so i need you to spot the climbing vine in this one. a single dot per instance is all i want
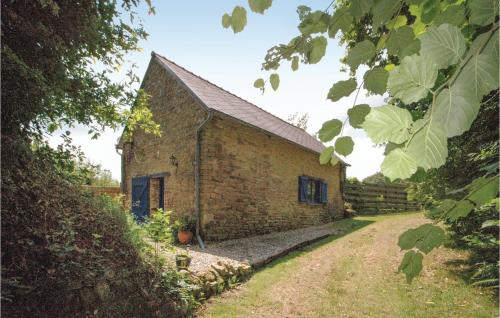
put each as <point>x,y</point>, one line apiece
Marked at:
<point>443,53</point>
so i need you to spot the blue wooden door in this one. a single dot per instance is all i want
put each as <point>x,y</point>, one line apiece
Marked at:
<point>140,198</point>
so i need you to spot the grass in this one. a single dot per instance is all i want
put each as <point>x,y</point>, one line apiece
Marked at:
<point>355,275</point>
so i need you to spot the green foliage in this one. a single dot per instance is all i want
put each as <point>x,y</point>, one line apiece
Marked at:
<point>330,130</point>
<point>457,108</point>
<point>383,11</point>
<point>295,63</point>
<point>442,60</point>
<point>315,49</point>
<point>62,246</point>
<point>344,145</point>
<point>357,115</point>
<point>398,165</point>
<point>326,155</point>
<point>412,80</point>
<point>483,12</point>
<point>375,80</point>
<point>259,6</point>
<point>184,223</point>
<point>388,123</point>
<point>157,227</point>
<point>359,54</point>
<point>402,42</point>
<point>226,20</point>
<point>342,89</point>
<point>359,8</point>
<point>445,45</point>
<point>275,81</point>
<point>411,265</point>
<point>340,20</point>
<point>429,144</point>
<point>63,87</point>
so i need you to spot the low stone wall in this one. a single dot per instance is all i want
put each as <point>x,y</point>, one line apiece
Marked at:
<point>221,276</point>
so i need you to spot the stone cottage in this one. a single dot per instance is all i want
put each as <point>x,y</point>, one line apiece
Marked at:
<point>235,168</point>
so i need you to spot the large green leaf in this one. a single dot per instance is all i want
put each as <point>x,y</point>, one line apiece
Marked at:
<point>456,108</point>
<point>431,236</point>
<point>388,123</point>
<point>362,52</point>
<point>383,11</point>
<point>412,79</point>
<point>445,45</point>
<point>259,6</point>
<point>402,42</point>
<point>342,89</point>
<point>330,130</point>
<point>398,165</point>
<point>483,190</point>
<point>461,209</point>
<point>326,155</point>
<point>359,8</point>
<point>483,12</point>
<point>275,81</point>
<point>316,49</point>
<point>425,237</point>
<point>341,20</point>
<point>453,14</point>
<point>430,9</point>
<point>411,265</point>
<point>375,80</point>
<point>429,145</point>
<point>357,115</point>
<point>238,19</point>
<point>480,74</point>
<point>344,145</point>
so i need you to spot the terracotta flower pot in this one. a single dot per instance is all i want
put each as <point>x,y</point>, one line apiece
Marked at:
<point>185,236</point>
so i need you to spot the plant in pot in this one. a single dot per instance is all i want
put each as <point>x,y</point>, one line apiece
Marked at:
<point>184,227</point>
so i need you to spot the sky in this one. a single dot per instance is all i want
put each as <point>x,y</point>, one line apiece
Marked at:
<point>190,33</point>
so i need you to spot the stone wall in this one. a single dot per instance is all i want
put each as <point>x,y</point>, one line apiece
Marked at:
<point>249,182</point>
<point>178,114</point>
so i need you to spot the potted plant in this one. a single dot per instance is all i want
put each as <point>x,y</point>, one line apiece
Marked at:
<point>185,228</point>
<point>182,260</point>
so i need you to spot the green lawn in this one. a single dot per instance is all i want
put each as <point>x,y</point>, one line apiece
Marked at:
<point>355,275</point>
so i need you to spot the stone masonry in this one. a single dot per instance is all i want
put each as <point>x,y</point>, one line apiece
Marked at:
<point>248,179</point>
<point>178,115</point>
<point>250,183</point>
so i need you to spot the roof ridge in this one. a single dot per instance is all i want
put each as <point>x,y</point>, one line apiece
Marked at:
<point>221,88</point>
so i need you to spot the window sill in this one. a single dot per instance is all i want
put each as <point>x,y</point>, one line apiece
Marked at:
<point>312,203</point>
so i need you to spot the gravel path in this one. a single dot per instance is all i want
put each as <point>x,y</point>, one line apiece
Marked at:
<point>257,250</point>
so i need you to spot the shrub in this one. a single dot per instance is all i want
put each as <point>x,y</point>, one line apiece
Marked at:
<point>66,253</point>
<point>157,227</point>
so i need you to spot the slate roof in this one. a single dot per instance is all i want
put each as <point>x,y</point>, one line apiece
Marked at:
<point>216,98</point>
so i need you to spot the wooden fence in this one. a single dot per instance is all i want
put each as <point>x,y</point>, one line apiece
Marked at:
<point>111,191</point>
<point>367,198</point>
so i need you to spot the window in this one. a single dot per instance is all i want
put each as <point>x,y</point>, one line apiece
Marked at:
<point>312,190</point>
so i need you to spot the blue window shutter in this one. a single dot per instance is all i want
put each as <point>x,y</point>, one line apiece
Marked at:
<point>324,192</point>
<point>140,198</point>
<point>303,182</point>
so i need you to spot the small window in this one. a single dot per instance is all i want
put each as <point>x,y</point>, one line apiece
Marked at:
<point>312,190</point>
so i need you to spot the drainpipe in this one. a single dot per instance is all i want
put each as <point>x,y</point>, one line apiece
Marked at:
<point>197,178</point>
